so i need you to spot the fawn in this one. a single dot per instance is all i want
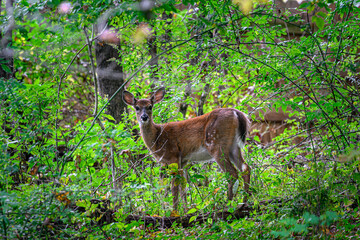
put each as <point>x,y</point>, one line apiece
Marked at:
<point>218,135</point>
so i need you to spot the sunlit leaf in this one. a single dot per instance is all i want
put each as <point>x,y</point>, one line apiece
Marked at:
<point>244,5</point>
<point>191,211</point>
<point>192,219</point>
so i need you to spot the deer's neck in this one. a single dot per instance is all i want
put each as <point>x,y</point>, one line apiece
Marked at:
<point>150,133</point>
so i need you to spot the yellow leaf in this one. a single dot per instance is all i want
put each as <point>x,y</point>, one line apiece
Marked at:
<point>142,32</point>
<point>62,197</point>
<point>244,5</point>
<point>164,182</point>
<point>173,165</point>
<point>216,190</point>
<point>174,213</point>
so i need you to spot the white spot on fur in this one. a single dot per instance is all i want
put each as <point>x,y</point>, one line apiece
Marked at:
<point>244,168</point>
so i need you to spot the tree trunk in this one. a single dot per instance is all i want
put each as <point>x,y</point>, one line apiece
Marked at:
<point>6,52</point>
<point>110,77</point>
<point>153,64</point>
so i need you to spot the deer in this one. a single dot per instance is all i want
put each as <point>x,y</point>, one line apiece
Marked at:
<point>215,136</point>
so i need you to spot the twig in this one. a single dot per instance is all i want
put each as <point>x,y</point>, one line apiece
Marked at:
<point>93,71</point>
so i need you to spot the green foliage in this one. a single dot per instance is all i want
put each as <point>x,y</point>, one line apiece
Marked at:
<point>308,222</point>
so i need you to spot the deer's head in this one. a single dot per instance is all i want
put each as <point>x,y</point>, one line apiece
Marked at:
<point>143,107</point>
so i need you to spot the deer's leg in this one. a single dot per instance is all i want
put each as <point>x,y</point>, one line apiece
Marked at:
<point>237,158</point>
<point>175,186</point>
<point>183,187</point>
<point>245,173</point>
<point>223,160</point>
<point>219,141</point>
<point>179,184</point>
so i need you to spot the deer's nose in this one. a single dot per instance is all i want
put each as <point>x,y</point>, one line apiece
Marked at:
<point>144,118</point>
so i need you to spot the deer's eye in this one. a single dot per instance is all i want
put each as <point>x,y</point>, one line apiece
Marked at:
<point>150,107</point>
<point>137,108</point>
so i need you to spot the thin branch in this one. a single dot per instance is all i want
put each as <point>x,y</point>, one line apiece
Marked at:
<point>89,44</point>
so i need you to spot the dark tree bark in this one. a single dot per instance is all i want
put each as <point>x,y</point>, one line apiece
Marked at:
<point>153,64</point>
<point>6,52</point>
<point>202,100</point>
<point>183,105</point>
<point>110,77</point>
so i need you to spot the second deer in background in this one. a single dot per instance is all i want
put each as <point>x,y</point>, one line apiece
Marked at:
<point>218,135</point>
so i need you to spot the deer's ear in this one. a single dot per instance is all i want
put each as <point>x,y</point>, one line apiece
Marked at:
<point>158,95</point>
<point>128,98</point>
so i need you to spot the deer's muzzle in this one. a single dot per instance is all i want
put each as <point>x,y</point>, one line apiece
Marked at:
<point>144,117</point>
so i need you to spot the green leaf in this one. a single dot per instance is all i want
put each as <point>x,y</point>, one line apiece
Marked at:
<point>321,14</point>
<point>356,177</point>
<point>198,176</point>
<point>294,18</point>
<point>192,211</point>
<point>320,23</point>
<point>186,2</point>
<point>322,4</point>
<point>236,186</point>
<point>311,218</point>
<point>192,219</point>
<point>261,115</point>
<point>298,228</point>
<point>5,68</point>
<point>111,118</point>
<point>305,5</point>
<point>173,166</point>
<point>204,20</point>
<point>81,204</point>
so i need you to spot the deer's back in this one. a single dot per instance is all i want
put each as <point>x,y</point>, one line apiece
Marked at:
<point>190,139</point>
